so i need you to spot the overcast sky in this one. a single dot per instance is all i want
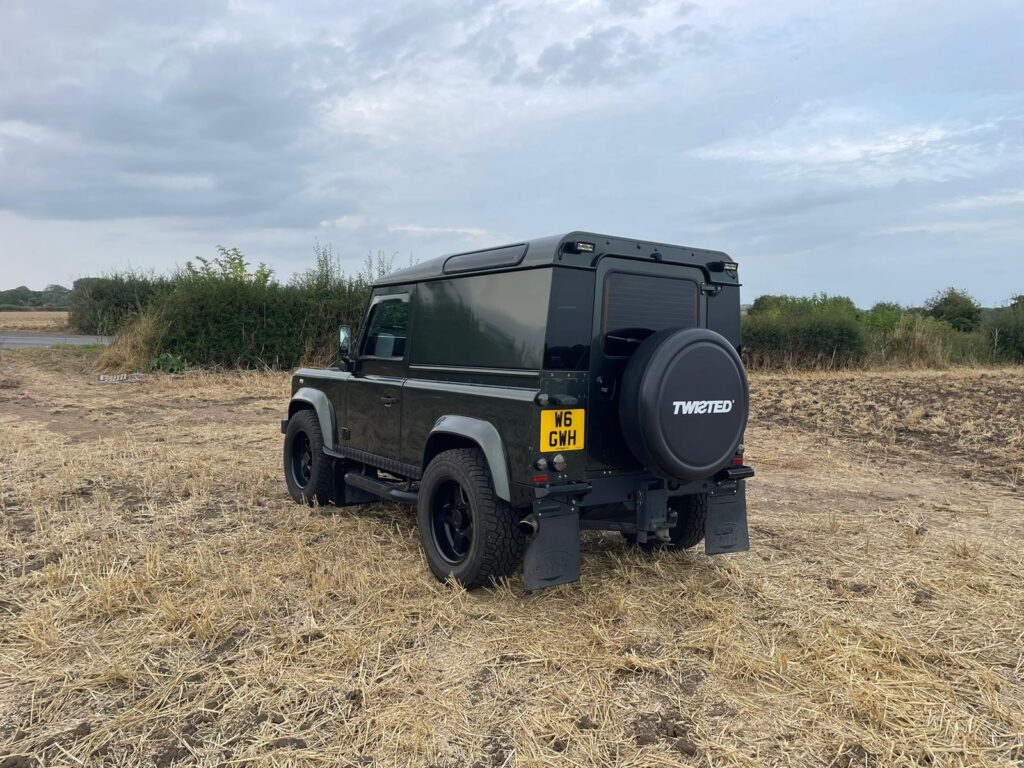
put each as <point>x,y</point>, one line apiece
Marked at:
<point>874,149</point>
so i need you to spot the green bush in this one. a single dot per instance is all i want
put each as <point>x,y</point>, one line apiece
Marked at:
<point>820,304</point>
<point>1005,332</point>
<point>103,305</point>
<point>810,341</point>
<point>958,308</point>
<point>167,363</point>
<point>922,341</point>
<point>883,317</point>
<point>819,331</point>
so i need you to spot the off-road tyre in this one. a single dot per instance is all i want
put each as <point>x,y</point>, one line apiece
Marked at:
<point>304,431</point>
<point>494,545</point>
<point>692,517</point>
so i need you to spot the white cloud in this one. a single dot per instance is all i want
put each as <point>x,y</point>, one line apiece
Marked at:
<point>347,222</point>
<point>470,232</point>
<point>852,145</point>
<point>169,182</point>
<point>945,228</point>
<point>995,200</point>
<point>21,129</point>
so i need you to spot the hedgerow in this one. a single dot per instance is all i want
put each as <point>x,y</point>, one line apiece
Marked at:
<point>830,332</point>
<point>221,312</point>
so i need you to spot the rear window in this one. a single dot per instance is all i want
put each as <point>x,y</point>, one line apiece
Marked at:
<point>635,306</point>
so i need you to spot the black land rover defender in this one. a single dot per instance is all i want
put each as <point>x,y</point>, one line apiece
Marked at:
<point>518,394</point>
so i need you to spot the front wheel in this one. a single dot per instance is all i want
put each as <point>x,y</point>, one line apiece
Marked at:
<point>467,532</point>
<point>307,469</point>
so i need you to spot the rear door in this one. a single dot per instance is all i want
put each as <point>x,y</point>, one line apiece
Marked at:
<point>375,389</point>
<point>633,299</point>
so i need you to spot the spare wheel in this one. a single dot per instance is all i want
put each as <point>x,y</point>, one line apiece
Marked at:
<point>683,403</point>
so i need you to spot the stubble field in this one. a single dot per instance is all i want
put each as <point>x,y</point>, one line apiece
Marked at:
<point>163,602</point>
<point>33,321</point>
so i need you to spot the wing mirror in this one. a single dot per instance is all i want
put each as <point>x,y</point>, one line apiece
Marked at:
<point>344,343</point>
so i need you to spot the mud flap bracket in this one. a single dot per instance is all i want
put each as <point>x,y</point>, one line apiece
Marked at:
<point>726,527</point>
<point>553,551</point>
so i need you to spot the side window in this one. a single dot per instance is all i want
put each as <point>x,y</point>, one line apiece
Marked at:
<point>635,306</point>
<point>387,328</point>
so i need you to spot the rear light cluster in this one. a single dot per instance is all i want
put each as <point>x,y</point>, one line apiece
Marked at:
<point>737,459</point>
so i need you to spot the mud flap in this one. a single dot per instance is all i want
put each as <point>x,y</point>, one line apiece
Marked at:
<point>726,527</point>
<point>343,494</point>
<point>553,552</point>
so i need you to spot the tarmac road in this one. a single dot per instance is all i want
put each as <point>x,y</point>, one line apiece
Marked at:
<point>18,339</point>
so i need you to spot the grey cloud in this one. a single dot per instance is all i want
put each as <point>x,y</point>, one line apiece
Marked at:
<point>421,126</point>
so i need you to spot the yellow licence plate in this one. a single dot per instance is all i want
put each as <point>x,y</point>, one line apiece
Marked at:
<point>561,430</point>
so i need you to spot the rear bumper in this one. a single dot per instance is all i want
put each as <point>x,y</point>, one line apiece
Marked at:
<point>559,513</point>
<point>621,489</point>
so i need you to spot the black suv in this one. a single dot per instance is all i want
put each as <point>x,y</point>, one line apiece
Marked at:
<point>518,394</point>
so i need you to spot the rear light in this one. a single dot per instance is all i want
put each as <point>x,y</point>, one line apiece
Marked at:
<point>539,478</point>
<point>737,461</point>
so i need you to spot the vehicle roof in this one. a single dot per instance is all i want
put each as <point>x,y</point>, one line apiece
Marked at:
<point>549,250</point>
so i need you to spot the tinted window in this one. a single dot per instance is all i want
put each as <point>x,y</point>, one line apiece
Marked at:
<point>387,328</point>
<point>570,320</point>
<point>635,306</point>
<point>483,321</point>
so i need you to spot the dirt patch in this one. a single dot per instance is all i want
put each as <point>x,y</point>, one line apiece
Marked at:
<point>70,423</point>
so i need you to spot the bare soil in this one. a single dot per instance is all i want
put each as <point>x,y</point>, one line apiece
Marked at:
<point>162,601</point>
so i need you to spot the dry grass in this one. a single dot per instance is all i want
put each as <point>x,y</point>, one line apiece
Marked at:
<point>33,321</point>
<point>132,348</point>
<point>161,601</point>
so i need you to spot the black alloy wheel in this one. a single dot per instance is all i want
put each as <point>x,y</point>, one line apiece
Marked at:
<point>467,532</point>
<point>452,522</point>
<point>302,460</point>
<point>307,469</point>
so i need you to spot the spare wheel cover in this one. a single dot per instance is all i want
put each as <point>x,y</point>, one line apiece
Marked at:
<point>684,403</point>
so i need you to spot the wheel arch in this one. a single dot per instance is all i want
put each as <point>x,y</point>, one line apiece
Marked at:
<point>307,398</point>
<point>467,432</point>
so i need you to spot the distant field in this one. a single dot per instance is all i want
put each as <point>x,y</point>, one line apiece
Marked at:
<point>33,321</point>
<point>163,602</point>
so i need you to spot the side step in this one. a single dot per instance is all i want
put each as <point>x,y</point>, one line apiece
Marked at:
<point>380,488</point>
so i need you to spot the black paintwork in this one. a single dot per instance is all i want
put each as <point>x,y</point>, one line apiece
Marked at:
<point>491,332</point>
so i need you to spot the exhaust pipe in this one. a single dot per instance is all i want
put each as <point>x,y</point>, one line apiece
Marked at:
<point>529,525</point>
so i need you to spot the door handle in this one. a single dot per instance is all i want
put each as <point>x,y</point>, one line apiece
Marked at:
<point>388,400</point>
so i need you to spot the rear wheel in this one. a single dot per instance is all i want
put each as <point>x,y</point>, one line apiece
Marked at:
<point>691,518</point>
<point>467,532</point>
<point>307,469</point>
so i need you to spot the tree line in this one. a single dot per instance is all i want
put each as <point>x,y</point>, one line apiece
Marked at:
<point>53,298</point>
